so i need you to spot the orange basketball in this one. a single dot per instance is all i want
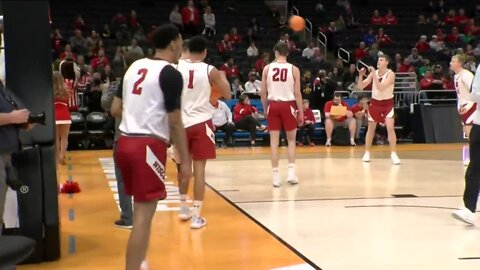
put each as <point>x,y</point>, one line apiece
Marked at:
<point>297,23</point>
<point>214,95</point>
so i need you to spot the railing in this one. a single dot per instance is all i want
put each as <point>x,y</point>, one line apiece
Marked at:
<point>308,31</point>
<point>322,40</point>
<point>295,11</point>
<point>425,96</point>
<point>344,55</point>
<point>285,6</point>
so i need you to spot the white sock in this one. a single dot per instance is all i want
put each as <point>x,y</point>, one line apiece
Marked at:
<point>291,166</point>
<point>197,208</point>
<point>183,199</point>
<point>275,170</point>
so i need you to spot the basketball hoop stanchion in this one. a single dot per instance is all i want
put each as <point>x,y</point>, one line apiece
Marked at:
<point>344,55</point>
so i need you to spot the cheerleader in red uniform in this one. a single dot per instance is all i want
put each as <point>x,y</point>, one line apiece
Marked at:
<point>62,115</point>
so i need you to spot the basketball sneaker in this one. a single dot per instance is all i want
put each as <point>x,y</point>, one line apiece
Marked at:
<point>366,157</point>
<point>292,178</point>
<point>464,215</point>
<point>144,265</point>
<point>395,158</point>
<point>352,142</point>
<point>198,222</point>
<point>328,143</point>
<point>276,181</point>
<point>184,213</point>
<point>123,224</point>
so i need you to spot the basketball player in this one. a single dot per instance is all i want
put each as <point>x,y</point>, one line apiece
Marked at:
<point>151,112</point>
<point>381,106</point>
<point>281,93</point>
<point>472,175</point>
<point>466,108</point>
<point>197,116</point>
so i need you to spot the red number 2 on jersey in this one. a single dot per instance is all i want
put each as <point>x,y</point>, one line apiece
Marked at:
<point>190,79</point>
<point>280,74</point>
<point>137,90</point>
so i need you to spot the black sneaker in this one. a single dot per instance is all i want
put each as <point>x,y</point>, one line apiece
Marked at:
<point>123,224</point>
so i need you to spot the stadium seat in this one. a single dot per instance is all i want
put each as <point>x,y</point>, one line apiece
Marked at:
<point>96,132</point>
<point>77,134</point>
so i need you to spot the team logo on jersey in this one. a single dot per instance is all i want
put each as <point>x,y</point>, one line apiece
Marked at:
<point>155,164</point>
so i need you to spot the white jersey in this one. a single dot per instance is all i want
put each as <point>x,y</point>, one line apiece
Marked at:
<point>463,82</point>
<point>196,92</point>
<point>280,82</point>
<point>144,110</point>
<point>387,93</point>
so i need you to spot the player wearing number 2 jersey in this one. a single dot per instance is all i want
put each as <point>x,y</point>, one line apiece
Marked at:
<point>281,93</point>
<point>151,112</point>
<point>197,118</point>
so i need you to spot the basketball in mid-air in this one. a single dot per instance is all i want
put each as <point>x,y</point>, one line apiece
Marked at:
<point>296,23</point>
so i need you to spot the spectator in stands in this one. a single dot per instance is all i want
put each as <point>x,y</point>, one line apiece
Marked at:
<point>309,51</point>
<point>471,27</point>
<point>245,117</point>
<point>225,46</point>
<point>361,51</point>
<point>305,132</point>
<point>349,77</point>
<point>369,37</point>
<point>262,62</point>
<point>428,82</point>
<point>461,18</point>
<point>93,40</point>
<point>397,62</point>
<point>251,36</point>
<point>414,58</point>
<point>100,61</point>
<point>134,22</point>
<point>450,18</point>
<point>282,23</point>
<point>423,68</point>
<point>331,32</point>
<point>67,53</point>
<point>373,52</point>
<point>79,23</point>
<point>190,18</point>
<point>306,85</point>
<point>319,10</point>
<point>139,35</point>
<point>57,42</point>
<point>406,66</point>
<point>421,20</point>
<point>107,75</point>
<point>222,120</point>
<point>359,111</point>
<point>390,19</point>
<point>469,50</point>
<point>106,34</point>
<point>118,20</point>
<point>134,48</point>
<point>292,47</point>
<point>118,61</point>
<point>436,45</point>
<point>318,56</point>
<point>323,88</point>
<point>344,119</point>
<point>467,37</point>
<point>230,69</point>
<point>340,24</point>
<point>237,88</point>
<point>254,25</point>
<point>471,64</point>
<point>209,21</point>
<point>351,22</point>
<point>95,93</point>
<point>382,38</point>
<point>435,21</point>
<point>81,63</point>
<point>176,18</point>
<point>234,37</point>
<point>78,42</point>
<point>253,86</point>
<point>454,37</point>
<point>336,76</point>
<point>376,18</point>
<point>422,44</point>
<point>252,50</point>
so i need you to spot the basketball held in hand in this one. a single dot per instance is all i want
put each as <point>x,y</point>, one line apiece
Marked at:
<point>214,95</point>
<point>296,23</point>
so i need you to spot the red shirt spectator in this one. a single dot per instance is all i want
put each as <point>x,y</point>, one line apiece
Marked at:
<point>134,22</point>
<point>57,42</point>
<point>356,108</point>
<point>382,38</point>
<point>361,51</point>
<point>470,27</point>
<point>190,14</point>
<point>406,66</point>
<point>119,19</point>
<point>328,107</point>
<point>100,61</point>
<point>241,110</point>
<point>230,69</point>
<point>440,35</point>
<point>225,45</point>
<point>79,23</point>
<point>234,37</point>
<point>450,18</point>
<point>390,19</point>
<point>260,64</point>
<point>376,19</point>
<point>453,37</point>
<point>461,18</point>
<point>428,82</point>
<point>422,45</point>
<point>308,116</point>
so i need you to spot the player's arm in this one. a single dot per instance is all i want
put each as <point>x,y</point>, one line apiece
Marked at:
<point>382,85</point>
<point>475,95</point>
<point>298,95</point>
<point>220,81</point>
<point>117,107</point>
<point>171,83</point>
<point>362,83</point>
<point>263,89</point>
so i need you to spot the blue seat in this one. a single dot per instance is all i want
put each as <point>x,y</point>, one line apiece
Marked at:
<point>350,101</point>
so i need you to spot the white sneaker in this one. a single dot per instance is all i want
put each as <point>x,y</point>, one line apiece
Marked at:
<point>198,222</point>
<point>328,143</point>
<point>352,142</point>
<point>464,215</point>
<point>144,265</point>
<point>366,157</point>
<point>292,178</point>
<point>395,159</point>
<point>276,181</point>
<point>184,213</point>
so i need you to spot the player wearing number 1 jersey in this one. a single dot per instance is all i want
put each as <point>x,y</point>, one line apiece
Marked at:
<point>281,93</point>
<point>151,112</point>
<point>197,118</point>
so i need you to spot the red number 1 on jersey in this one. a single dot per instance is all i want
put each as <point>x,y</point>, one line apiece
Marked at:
<point>280,74</point>
<point>137,90</point>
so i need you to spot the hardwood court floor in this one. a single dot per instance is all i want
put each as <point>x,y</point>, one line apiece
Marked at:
<point>341,216</point>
